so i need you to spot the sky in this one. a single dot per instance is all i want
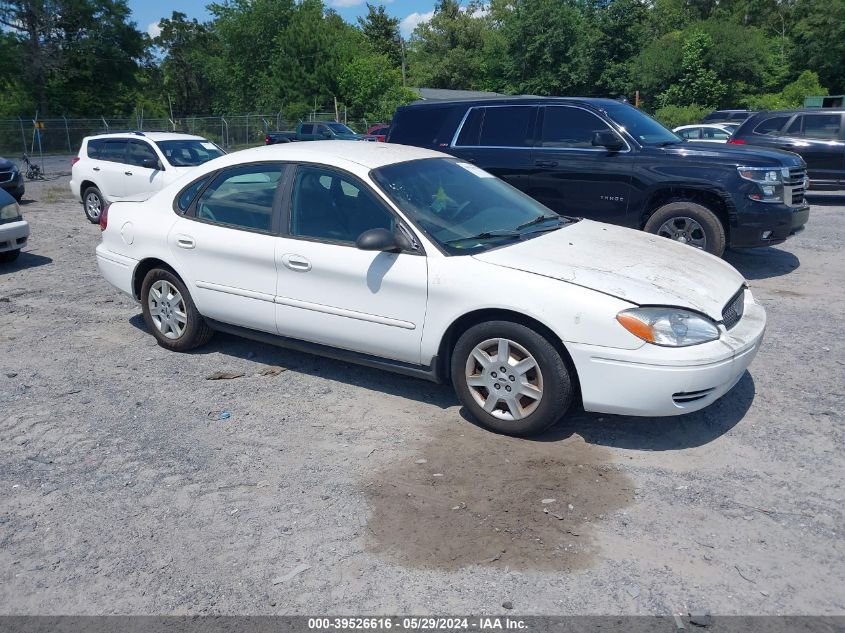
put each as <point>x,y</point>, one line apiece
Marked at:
<point>147,13</point>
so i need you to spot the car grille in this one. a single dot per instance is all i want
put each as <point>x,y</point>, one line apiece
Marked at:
<point>685,397</point>
<point>6,176</point>
<point>795,184</point>
<point>732,312</point>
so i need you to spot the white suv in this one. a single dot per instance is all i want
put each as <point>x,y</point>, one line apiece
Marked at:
<point>117,165</point>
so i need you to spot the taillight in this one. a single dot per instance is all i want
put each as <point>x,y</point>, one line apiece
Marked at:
<point>104,217</point>
<point>267,140</point>
<point>736,141</point>
<point>74,160</point>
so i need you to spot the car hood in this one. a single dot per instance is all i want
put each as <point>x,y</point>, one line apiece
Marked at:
<point>747,156</point>
<point>638,267</point>
<point>6,164</point>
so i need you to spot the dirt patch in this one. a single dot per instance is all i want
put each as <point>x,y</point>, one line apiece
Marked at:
<point>475,498</point>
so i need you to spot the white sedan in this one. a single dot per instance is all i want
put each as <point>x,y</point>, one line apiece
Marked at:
<point>707,132</point>
<point>411,260</point>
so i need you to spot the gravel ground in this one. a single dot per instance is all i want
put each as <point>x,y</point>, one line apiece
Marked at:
<point>123,490</point>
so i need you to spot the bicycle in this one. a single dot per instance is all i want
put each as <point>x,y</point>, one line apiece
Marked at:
<point>33,171</point>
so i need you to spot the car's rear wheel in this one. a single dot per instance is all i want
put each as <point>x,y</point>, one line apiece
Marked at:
<point>170,313</point>
<point>510,378</point>
<point>689,223</point>
<point>7,257</point>
<point>92,204</point>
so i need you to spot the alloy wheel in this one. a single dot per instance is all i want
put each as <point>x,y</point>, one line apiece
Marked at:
<point>684,230</point>
<point>167,309</point>
<point>93,206</point>
<point>504,379</point>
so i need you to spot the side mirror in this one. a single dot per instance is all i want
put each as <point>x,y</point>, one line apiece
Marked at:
<point>609,140</point>
<point>151,163</point>
<point>383,240</point>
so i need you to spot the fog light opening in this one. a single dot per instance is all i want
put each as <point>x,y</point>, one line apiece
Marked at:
<point>766,235</point>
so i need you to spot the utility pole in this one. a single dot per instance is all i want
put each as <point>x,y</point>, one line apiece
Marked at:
<point>402,49</point>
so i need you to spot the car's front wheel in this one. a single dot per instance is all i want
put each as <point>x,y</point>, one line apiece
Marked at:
<point>689,223</point>
<point>510,378</point>
<point>170,313</point>
<point>92,203</point>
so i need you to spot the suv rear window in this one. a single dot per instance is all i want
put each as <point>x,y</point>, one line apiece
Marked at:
<point>772,125</point>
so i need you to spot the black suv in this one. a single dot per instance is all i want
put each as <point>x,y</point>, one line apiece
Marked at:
<point>606,160</point>
<point>727,116</point>
<point>818,135</point>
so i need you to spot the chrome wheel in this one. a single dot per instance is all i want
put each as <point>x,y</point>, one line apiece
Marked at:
<point>504,379</point>
<point>684,230</point>
<point>93,205</point>
<point>167,309</point>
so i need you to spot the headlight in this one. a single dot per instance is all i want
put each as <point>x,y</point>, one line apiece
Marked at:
<point>768,179</point>
<point>10,211</point>
<point>671,327</point>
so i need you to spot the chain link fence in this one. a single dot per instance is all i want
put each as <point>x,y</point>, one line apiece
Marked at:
<point>64,135</point>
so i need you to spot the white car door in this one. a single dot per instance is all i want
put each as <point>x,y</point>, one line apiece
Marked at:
<point>332,293</point>
<point>143,171</point>
<point>108,166</point>
<point>225,245</point>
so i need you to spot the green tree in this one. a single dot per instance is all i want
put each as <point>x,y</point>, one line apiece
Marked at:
<point>372,88</point>
<point>819,37</point>
<point>185,70</point>
<point>382,32</point>
<point>698,84</point>
<point>792,95</point>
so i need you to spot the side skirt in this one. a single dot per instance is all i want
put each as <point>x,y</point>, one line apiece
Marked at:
<point>407,369</point>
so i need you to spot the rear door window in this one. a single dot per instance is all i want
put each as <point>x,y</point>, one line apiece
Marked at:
<point>823,127</point>
<point>113,150</point>
<point>568,127</point>
<point>241,197</point>
<point>307,128</point>
<point>506,126</point>
<point>714,134</point>
<point>692,133</point>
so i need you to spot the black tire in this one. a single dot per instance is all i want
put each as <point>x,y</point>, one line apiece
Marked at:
<point>677,212</point>
<point>196,330</point>
<point>7,257</point>
<point>554,379</point>
<point>96,200</point>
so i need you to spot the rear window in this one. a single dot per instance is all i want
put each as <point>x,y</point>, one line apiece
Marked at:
<point>506,126</point>
<point>772,125</point>
<point>426,126</point>
<point>111,149</point>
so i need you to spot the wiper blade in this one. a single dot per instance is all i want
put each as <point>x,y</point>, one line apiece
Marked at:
<point>487,235</point>
<point>538,220</point>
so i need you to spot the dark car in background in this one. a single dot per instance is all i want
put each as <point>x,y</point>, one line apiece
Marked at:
<point>727,116</point>
<point>606,160</point>
<point>11,179</point>
<point>316,131</point>
<point>817,135</point>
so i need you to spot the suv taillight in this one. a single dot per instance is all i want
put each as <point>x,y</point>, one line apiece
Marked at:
<point>104,217</point>
<point>267,140</point>
<point>74,160</point>
<point>736,141</point>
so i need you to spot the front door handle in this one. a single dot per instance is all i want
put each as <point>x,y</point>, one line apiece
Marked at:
<point>127,173</point>
<point>185,241</point>
<point>96,169</point>
<point>545,163</point>
<point>296,262</point>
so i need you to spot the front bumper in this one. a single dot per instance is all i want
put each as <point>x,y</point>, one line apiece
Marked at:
<point>13,235</point>
<point>118,270</point>
<point>661,381</point>
<point>755,219</point>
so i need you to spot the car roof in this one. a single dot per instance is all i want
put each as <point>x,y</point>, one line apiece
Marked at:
<point>153,136</point>
<point>802,111</point>
<point>595,102</point>
<point>721,124</point>
<point>332,153</point>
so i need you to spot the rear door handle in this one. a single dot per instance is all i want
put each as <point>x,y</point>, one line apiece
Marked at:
<point>545,163</point>
<point>96,169</point>
<point>296,262</point>
<point>127,173</point>
<point>185,241</point>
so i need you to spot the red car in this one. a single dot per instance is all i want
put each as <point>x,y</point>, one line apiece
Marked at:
<point>379,130</point>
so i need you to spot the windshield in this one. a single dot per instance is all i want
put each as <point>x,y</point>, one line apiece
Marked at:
<point>639,125</point>
<point>461,207</point>
<point>340,128</point>
<point>188,152</point>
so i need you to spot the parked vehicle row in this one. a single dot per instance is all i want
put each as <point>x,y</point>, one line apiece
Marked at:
<point>817,135</point>
<point>11,179</point>
<point>317,131</point>
<point>606,160</point>
<point>118,165</point>
<point>386,255</point>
